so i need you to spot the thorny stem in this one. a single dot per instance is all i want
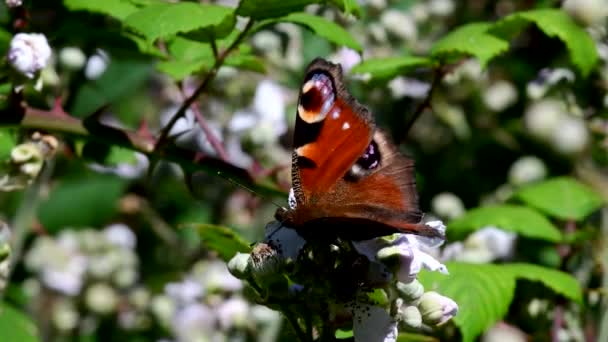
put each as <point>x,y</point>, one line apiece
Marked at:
<point>219,61</point>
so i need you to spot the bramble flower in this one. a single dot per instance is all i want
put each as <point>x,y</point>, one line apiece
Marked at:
<point>368,286</point>
<point>485,245</point>
<point>447,205</point>
<point>14,3</point>
<point>527,169</point>
<point>29,53</point>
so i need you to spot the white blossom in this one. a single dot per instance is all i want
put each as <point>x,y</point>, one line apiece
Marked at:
<point>29,53</point>
<point>72,58</point>
<point>447,205</point>
<point>527,169</point>
<point>96,65</point>
<point>14,3</point>
<point>120,235</point>
<point>500,95</point>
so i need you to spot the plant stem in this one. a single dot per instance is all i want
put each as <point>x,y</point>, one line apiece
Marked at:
<point>219,61</point>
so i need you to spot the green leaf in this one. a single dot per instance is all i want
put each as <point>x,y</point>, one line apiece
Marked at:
<point>246,62</point>
<point>519,219</point>
<point>223,240</point>
<point>349,7</point>
<point>119,9</point>
<point>483,294</point>
<point>561,197</point>
<point>84,202</point>
<point>554,23</point>
<point>387,68</point>
<point>5,40</point>
<point>469,40</point>
<point>120,155</point>
<point>319,25</point>
<point>166,19</point>
<point>16,326</point>
<point>560,282</point>
<point>267,9</point>
<point>7,142</point>
<point>187,58</point>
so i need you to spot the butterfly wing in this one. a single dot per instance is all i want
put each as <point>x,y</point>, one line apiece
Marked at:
<point>347,175</point>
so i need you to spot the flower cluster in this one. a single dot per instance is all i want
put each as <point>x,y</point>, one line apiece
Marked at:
<point>26,161</point>
<point>368,286</point>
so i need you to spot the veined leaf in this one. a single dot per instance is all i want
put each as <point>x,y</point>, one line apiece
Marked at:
<point>167,19</point>
<point>554,23</point>
<point>387,68</point>
<point>560,282</point>
<point>319,25</point>
<point>519,219</point>
<point>266,9</point>
<point>7,142</point>
<point>483,294</point>
<point>119,9</point>
<point>561,197</point>
<point>225,241</point>
<point>16,326</point>
<point>470,40</point>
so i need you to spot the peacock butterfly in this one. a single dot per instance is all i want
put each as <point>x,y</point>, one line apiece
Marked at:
<point>348,179</point>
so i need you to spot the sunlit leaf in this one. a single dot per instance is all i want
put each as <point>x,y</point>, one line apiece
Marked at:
<point>554,23</point>
<point>562,197</point>
<point>522,220</point>
<point>168,19</point>
<point>319,25</point>
<point>561,283</point>
<point>16,326</point>
<point>118,9</point>
<point>483,294</point>
<point>387,68</point>
<point>223,240</point>
<point>470,40</point>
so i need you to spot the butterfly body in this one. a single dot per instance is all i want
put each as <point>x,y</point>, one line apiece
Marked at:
<point>349,180</point>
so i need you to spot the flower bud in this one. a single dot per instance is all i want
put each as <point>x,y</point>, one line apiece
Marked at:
<point>527,169</point>
<point>29,53</point>
<point>586,12</point>
<point>543,117</point>
<point>163,308</point>
<point>410,292</point>
<point>72,58</point>
<point>570,136</point>
<point>436,309</point>
<point>500,96</point>
<point>239,265</point>
<point>266,266</point>
<point>13,3</point>
<point>25,152</point>
<point>101,298</point>
<point>411,317</point>
<point>447,205</point>
<point>65,316</point>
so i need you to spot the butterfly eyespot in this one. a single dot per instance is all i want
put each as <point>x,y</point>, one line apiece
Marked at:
<point>369,161</point>
<point>317,98</point>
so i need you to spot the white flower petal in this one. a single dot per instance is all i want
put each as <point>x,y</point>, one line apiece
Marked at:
<point>29,53</point>
<point>373,324</point>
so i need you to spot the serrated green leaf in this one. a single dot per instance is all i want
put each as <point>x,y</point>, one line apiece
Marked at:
<point>119,9</point>
<point>223,240</point>
<point>319,25</point>
<point>84,202</point>
<point>561,197</point>
<point>554,23</point>
<point>560,282</point>
<point>187,57</point>
<point>120,155</point>
<point>387,68</point>
<point>522,220</point>
<point>469,40</point>
<point>16,326</point>
<point>349,6</point>
<point>483,294</point>
<point>168,19</point>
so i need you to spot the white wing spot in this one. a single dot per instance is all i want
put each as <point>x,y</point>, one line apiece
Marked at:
<point>345,126</point>
<point>336,114</point>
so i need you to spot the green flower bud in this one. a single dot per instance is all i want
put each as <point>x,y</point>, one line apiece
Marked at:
<point>410,292</point>
<point>101,298</point>
<point>411,317</point>
<point>239,265</point>
<point>436,309</point>
<point>65,316</point>
<point>25,152</point>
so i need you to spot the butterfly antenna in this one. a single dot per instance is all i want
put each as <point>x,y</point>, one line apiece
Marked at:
<point>253,192</point>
